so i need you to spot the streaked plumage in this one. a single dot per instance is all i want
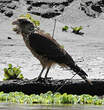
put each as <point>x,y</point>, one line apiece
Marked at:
<point>46,49</point>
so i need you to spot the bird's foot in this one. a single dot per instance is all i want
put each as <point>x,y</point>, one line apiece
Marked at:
<point>44,80</point>
<point>39,79</point>
<point>73,76</point>
<point>47,79</point>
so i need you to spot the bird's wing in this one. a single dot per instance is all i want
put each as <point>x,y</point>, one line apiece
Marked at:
<point>48,48</point>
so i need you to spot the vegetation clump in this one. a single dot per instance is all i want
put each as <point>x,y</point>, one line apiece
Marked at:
<point>49,98</point>
<point>77,30</point>
<point>65,28</point>
<point>12,73</point>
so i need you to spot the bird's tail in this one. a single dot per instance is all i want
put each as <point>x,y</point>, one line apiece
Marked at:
<point>81,73</point>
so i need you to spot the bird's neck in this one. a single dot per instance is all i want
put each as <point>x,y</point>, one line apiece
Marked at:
<point>26,33</point>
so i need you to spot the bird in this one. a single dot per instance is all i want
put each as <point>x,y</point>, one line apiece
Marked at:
<point>46,49</point>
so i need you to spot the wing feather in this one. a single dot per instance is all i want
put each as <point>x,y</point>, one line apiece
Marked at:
<point>47,48</point>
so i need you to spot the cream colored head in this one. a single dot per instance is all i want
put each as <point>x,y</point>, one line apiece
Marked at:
<point>23,25</point>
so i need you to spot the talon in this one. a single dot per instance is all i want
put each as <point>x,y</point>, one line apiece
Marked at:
<point>47,79</point>
<point>38,79</point>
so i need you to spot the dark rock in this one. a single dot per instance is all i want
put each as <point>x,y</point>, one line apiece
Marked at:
<point>35,13</point>
<point>29,1</point>
<point>78,33</point>
<point>5,1</point>
<point>16,0</point>
<point>91,9</point>
<point>89,3</point>
<point>53,4</point>
<point>65,3</point>
<point>45,15</point>
<point>96,8</point>
<point>9,38</point>
<point>29,8</point>
<point>11,6</point>
<point>62,9</point>
<point>50,15</point>
<point>74,86</point>
<point>69,1</point>
<point>8,13</point>
<point>38,4</point>
<point>2,9</point>
<point>101,3</point>
<point>55,8</point>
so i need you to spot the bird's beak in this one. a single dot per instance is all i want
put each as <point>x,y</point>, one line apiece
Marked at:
<point>16,29</point>
<point>16,22</point>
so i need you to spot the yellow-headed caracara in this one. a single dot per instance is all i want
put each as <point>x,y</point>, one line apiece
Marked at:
<point>45,48</point>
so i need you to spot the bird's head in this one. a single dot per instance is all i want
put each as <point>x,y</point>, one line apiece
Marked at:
<point>23,25</point>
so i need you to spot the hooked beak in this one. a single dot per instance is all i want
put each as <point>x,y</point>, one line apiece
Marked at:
<point>16,29</point>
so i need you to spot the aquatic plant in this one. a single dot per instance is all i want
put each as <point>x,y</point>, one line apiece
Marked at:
<point>49,98</point>
<point>12,73</point>
<point>77,30</point>
<point>65,28</point>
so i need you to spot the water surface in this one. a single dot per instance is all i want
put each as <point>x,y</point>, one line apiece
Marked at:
<point>50,107</point>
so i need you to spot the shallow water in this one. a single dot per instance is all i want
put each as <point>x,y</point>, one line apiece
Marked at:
<point>49,107</point>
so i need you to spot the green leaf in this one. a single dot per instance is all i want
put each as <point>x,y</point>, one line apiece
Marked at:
<point>5,78</point>
<point>20,76</point>
<point>6,75</point>
<point>15,69</point>
<point>37,23</point>
<point>10,72</point>
<point>10,66</point>
<point>65,28</point>
<point>77,29</point>
<point>28,16</point>
<point>5,70</point>
<point>18,72</point>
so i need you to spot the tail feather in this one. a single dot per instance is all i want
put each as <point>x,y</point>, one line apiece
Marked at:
<point>81,73</point>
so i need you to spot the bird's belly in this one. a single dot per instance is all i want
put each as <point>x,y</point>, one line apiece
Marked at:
<point>43,60</point>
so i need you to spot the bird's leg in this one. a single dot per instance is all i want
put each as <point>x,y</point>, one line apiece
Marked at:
<point>73,76</point>
<point>47,74</point>
<point>39,77</point>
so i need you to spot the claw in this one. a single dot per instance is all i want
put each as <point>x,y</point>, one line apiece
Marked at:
<point>38,79</point>
<point>47,79</point>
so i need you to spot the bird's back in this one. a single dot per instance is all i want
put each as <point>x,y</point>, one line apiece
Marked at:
<point>50,52</point>
<point>49,48</point>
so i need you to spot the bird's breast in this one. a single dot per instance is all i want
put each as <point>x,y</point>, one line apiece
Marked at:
<point>43,60</point>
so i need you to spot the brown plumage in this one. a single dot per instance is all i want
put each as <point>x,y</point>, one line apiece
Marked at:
<point>45,48</point>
